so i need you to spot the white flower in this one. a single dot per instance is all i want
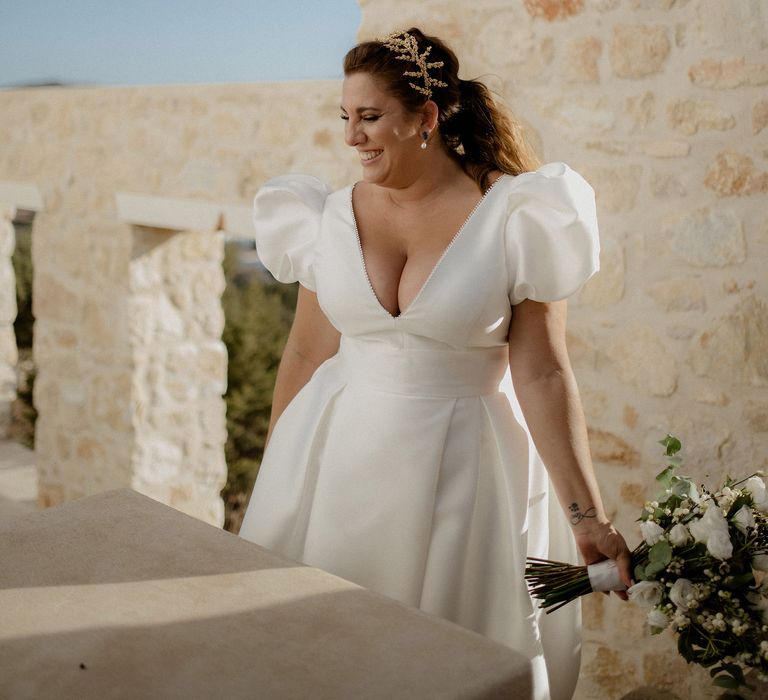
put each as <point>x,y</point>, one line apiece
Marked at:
<point>743,518</point>
<point>651,532</point>
<point>681,593</point>
<point>679,535</point>
<point>756,486</point>
<point>727,496</point>
<point>760,563</point>
<point>693,494</point>
<point>719,545</point>
<point>658,618</point>
<point>645,593</point>
<point>713,520</point>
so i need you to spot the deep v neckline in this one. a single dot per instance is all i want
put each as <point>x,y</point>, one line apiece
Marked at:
<point>454,238</point>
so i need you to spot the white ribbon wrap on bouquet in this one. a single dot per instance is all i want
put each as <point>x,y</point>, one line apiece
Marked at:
<point>604,576</point>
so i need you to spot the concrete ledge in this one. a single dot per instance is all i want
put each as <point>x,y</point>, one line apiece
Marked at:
<point>238,220</point>
<point>117,595</point>
<point>166,212</point>
<point>183,214</point>
<point>22,195</point>
<point>18,481</point>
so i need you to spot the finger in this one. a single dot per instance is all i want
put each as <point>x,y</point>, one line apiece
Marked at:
<point>624,563</point>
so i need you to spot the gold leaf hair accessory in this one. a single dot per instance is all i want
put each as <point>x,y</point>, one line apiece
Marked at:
<point>407,49</point>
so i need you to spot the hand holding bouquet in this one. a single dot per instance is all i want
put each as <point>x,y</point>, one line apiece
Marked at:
<point>700,570</point>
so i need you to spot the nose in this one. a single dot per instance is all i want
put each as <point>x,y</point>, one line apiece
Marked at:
<point>353,134</point>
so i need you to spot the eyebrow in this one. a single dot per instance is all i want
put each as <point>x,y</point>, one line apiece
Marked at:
<point>360,110</point>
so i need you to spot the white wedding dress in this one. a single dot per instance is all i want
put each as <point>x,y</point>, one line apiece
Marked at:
<point>404,464</point>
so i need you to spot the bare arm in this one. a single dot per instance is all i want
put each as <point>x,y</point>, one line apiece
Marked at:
<point>311,341</point>
<point>549,397</point>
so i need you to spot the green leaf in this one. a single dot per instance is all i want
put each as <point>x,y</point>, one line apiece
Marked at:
<point>725,681</point>
<point>741,581</point>
<point>681,486</point>
<point>672,444</point>
<point>660,553</point>
<point>640,572</point>
<point>684,646</point>
<point>737,504</point>
<point>665,477</point>
<point>653,568</point>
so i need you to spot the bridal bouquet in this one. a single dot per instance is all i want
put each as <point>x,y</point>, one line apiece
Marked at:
<point>700,570</point>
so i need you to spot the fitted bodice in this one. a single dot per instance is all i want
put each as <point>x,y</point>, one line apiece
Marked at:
<point>533,235</point>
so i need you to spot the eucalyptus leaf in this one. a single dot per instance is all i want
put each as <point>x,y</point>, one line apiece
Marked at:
<point>660,553</point>
<point>681,486</point>
<point>725,681</point>
<point>640,572</point>
<point>684,646</point>
<point>665,476</point>
<point>672,444</point>
<point>653,568</point>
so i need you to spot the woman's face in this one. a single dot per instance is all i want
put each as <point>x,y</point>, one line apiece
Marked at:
<point>384,134</point>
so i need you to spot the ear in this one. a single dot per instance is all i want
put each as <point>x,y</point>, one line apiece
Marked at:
<point>429,114</point>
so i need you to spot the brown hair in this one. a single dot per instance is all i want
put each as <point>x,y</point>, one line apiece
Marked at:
<point>475,129</point>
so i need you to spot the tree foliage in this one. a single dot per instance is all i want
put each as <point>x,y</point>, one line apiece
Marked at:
<point>23,412</point>
<point>258,318</point>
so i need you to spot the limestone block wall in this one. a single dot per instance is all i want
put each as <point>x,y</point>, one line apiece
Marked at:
<point>127,344</point>
<point>8,351</point>
<point>661,105</point>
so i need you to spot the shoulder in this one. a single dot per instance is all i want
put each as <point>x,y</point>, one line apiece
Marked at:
<point>552,235</point>
<point>287,212</point>
<point>294,188</point>
<point>553,182</point>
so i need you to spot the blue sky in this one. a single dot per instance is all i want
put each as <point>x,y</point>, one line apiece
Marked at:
<point>149,42</point>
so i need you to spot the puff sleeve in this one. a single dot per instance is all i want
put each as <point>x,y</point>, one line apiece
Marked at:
<point>551,237</point>
<point>286,220</point>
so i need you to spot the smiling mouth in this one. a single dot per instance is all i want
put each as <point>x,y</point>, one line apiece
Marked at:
<point>367,156</point>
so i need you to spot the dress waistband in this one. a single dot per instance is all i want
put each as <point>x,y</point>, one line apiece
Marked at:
<point>423,371</point>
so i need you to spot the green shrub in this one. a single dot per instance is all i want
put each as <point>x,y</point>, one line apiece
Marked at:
<point>23,412</point>
<point>258,317</point>
<point>22,267</point>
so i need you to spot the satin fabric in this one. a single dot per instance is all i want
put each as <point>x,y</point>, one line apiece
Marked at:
<point>405,464</point>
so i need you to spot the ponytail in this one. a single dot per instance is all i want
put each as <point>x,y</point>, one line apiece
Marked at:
<point>485,137</point>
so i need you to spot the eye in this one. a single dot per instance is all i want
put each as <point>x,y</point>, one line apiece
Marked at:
<point>345,117</point>
<point>371,118</point>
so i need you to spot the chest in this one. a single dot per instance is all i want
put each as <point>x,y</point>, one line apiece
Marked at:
<point>461,301</point>
<point>402,248</point>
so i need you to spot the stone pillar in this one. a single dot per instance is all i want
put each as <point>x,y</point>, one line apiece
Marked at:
<point>8,351</point>
<point>130,364</point>
<point>179,362</point>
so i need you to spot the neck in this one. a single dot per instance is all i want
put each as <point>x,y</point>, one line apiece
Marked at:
<point>434,172</point>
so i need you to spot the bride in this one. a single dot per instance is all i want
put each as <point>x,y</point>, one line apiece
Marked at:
<point>426,432</point>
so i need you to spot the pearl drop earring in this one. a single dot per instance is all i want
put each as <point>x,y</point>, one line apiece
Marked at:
<point>425,136</point>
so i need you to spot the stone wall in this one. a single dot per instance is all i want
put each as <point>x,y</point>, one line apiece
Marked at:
<point>130,363</point>
<point>179,368</point>
<point>661,105</point>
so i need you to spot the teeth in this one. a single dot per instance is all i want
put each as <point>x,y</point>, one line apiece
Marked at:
<point>368,155</point>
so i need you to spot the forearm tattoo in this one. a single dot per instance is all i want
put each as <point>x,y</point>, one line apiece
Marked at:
<point>577,516</point>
